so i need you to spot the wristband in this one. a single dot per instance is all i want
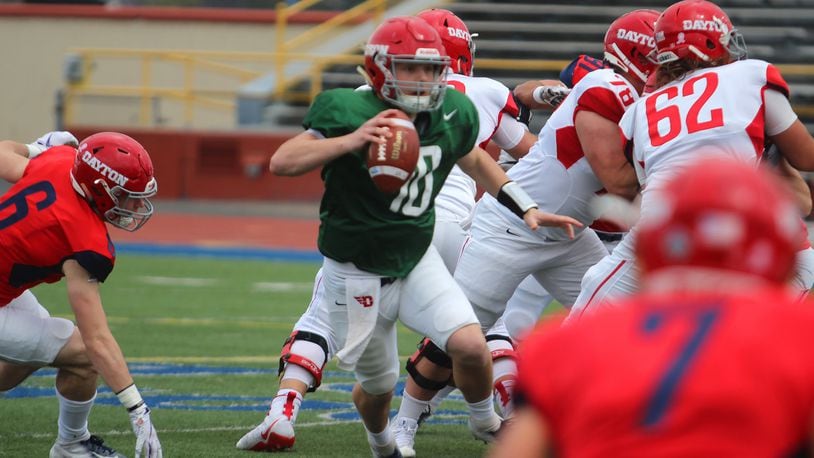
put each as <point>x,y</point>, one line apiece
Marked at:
<point>537,94</point>
<point>513,197</point>
<point>130,398</point>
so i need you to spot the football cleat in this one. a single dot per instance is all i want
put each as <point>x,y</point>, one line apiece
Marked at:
<point>487,434</point>
<point>277,434</point>
<point>404,430</point>
<point>396,453</point>
<point>92,447</point>
<point>425,415</point>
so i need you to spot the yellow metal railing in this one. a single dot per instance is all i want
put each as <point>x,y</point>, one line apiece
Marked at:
<point>286,47</point>
<point>190,65</point>
<point>241,67</point>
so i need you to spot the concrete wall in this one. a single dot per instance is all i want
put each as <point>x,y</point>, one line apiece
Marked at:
<point>35,39</point>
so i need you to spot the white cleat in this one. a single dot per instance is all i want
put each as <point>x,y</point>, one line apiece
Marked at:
<point>276,434</point>
<point>404,430</point>
<point>92,447</point>
<point>486,433</point>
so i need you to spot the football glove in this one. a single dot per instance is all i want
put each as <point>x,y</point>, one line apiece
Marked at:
<point>146,436</point>
<point>551,95</point>
<point>55,138</point>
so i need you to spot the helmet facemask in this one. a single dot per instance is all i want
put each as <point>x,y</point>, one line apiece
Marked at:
<point>131,209</point>
<point>413,96</point>
<point>125,209</point>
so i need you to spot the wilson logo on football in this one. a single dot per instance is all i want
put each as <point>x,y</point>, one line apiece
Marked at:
<point>364,301</point>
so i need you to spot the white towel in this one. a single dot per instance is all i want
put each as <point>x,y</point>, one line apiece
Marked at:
<point>362,297</point>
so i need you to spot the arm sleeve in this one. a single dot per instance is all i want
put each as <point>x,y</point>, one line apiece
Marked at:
<point>779,114</point>
<point>509,133</point>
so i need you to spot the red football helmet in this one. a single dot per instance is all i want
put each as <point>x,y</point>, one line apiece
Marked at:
<point>114,174</point>
<point>722,215</point>
<point>697,30</point>
<point>629,43</point>
<point>455,36</point>
<point>406,40</point>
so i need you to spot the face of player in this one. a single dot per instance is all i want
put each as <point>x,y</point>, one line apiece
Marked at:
<point>416,72</point>
<point>415,85</point>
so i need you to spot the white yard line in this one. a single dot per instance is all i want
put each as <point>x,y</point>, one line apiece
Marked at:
<point>117,432</point>
<point>177,281</point>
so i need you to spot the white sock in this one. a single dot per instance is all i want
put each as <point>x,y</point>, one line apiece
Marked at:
<point>440,396</point>
<point>286,403</point>
<point>411,407</point>
<point>383,443</point>
<point>483,412</point>
<point>73,419</point>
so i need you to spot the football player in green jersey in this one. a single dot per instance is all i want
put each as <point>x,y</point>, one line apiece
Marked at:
<point>379,265</point>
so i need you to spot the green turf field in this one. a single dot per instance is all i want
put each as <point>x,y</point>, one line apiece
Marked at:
<point>202,337</point>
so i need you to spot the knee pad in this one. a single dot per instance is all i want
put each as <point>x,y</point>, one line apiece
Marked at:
<point>308,363</point>
<point>427,349</point>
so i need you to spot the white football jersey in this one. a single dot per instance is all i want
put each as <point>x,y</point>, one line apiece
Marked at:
<point>556,173</point>
<point>711,111</point>
<point>497,111</point>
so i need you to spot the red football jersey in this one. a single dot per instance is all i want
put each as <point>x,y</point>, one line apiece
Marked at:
<point>43,222</point>
<point>702,375</point>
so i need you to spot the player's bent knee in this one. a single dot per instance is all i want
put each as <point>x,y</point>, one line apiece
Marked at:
<point>308,351</point>
<point>468,346</point>
<point>378,385</point>
<point>81,374</point>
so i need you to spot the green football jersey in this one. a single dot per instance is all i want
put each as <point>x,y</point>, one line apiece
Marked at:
<point>386,234</point>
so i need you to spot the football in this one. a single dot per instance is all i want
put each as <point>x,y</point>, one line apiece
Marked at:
<point>391,163</point>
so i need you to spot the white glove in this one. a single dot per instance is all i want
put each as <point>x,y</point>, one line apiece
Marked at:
<point>551,95</point>
<point>55,138</point>
<point>146,436</point>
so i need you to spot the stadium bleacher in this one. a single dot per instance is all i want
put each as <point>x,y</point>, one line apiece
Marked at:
<point>779,31</point>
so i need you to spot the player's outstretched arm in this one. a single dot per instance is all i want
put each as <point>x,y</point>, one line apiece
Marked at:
<point>485,171</point>
<point>13,160</point>
<point>14,156</point>
<point>306,151</point>
<point>106,355</point>
<point>537,94</point>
